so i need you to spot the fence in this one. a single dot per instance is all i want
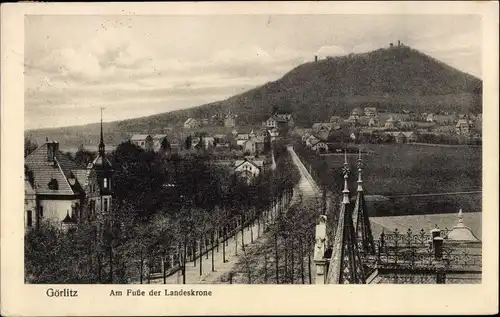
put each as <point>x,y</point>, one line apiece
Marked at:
<point>415,258</point>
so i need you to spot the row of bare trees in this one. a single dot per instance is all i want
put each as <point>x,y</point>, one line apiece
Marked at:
<point>285,257</point>
<point>153,229</point>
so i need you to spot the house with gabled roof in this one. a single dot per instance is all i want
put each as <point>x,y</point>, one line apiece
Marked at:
<point>191,123</point>
<point>230,120</point>
<point>277,120</point>
<point>62,192</point>
<point>144,141</point>
<point>319,146</point>
<point>58,183</point>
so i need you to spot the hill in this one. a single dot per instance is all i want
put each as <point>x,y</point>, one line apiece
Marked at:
<point>390,79</point>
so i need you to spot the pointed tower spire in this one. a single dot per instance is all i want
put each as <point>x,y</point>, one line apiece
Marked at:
<point>361,221</point>
<point>345,264</point>
<point>101,143</point>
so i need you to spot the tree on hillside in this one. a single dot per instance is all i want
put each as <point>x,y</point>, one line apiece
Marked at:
<point>165,145</point>
<point>200,144</point>
<point>189,142</point>
<point>83,156</point>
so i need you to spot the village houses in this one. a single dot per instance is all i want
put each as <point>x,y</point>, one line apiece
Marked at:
<point>370,111</point>
<point>279,120</point>
<point>463,127</point>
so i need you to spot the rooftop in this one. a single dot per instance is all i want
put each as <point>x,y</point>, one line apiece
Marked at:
<point>60,172</point>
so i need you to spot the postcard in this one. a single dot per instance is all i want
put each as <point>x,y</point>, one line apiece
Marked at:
<point>249,158</point>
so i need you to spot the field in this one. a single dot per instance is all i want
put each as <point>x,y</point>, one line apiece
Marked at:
<point>404,169</point>
<point>397,169</point>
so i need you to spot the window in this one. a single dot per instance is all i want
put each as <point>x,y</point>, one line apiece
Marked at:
<point>105,182</point>
<point>105,205</point>
<point>41,211</point>
<point>29,220</point>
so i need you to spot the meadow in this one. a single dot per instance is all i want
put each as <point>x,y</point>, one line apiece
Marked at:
<point>407,169</point>
<point>399,169</point>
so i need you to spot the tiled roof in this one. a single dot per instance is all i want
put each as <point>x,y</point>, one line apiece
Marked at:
<point>460,232</point>
<point>256,163</point>
<point>61,169</point>
<point>281,117</point>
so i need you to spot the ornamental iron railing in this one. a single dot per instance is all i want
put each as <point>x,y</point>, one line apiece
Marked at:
<point>409,251</point>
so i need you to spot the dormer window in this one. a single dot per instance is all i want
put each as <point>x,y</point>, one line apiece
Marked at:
<point>53,185</point>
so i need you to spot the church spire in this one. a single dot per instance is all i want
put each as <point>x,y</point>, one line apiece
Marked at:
<point>361,221</point>
<point>345,264</point>
<point>101,143</point>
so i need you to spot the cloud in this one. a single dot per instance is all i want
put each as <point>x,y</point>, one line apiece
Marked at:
<point>175,62</point>
<point>331,51</point>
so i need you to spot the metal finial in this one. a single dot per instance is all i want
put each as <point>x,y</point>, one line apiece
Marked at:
<point>346,190</point>
<point>460,218</point>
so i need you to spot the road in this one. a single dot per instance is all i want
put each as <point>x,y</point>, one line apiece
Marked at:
<point>307,188</point>
<point>307,185</point>
<point>233,252</point>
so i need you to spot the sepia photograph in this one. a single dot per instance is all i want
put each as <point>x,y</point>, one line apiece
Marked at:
<point>171,150</point>
<point>289,152</point>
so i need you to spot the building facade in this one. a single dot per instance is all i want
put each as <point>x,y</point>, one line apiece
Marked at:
<point>144,141</point>
<point>63,193</point>
<point>230,120</point>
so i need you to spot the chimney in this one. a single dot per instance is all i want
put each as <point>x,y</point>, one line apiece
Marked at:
<point>436,232</point>
<point>52,147</point>
<point>315,58</point>
<point>438,248</point>
<point>390,44</point>
<point>399,43</point>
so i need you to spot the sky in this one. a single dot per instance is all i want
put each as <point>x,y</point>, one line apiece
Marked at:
<point>135,66</point>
